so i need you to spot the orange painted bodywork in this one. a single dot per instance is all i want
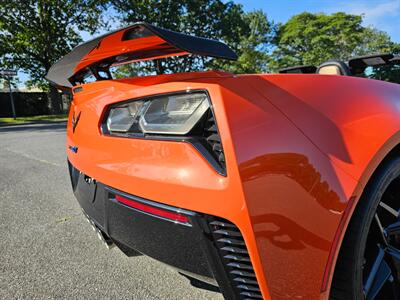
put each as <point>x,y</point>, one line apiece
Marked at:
<point>299,150</point>
<point>111,46</point>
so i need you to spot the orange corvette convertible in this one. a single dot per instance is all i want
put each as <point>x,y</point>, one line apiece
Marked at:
<point>269,186</point>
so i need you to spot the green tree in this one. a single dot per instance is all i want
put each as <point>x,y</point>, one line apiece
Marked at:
<point>254,46</point>
<point>376,41</point>
<point>35,34</point>
<point>314,38</point>
<point>248,34</point>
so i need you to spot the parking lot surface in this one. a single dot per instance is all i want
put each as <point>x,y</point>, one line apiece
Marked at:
<point>47,248</point>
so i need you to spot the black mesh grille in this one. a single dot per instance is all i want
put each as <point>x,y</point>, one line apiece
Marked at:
<point>214,140</point>
<point>236,260</point>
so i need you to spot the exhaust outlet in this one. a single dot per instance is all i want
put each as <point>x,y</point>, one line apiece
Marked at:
<point>107,241</point>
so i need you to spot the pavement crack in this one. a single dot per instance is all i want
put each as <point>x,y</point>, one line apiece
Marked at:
<point>63,219</point>
<point>33,157</point>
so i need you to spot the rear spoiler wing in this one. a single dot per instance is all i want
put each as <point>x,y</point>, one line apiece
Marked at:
<point>138,42</point>
<point>360,63</point>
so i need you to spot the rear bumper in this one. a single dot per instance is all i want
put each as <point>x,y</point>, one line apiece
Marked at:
<point>207,248</point>
<point>172,243</point>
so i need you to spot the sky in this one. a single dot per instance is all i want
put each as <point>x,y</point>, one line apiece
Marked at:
<point>382,14</point>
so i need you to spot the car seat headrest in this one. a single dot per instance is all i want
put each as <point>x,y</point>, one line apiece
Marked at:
<point>334,67</point>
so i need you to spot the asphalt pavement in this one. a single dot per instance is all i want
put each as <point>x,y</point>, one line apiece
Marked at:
<point>47,249</point>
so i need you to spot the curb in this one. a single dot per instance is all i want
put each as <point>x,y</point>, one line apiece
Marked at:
<point>31,123</point>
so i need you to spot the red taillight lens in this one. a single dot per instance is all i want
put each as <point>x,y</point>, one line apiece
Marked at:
<point>153,210</point>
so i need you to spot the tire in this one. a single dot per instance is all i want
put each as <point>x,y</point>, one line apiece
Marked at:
<point>368,262</point>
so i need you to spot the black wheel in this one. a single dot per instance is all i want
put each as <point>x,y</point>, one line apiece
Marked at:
<point>368,266</point>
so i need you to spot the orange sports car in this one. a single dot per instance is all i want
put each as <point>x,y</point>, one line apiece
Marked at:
<point>270,186</point>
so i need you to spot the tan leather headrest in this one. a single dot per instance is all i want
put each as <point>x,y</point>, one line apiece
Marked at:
<point>329,70</point>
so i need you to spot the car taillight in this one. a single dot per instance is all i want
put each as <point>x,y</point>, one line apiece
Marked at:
<point>185,116</point>
<point>166,214</point>
<point>172,114</point>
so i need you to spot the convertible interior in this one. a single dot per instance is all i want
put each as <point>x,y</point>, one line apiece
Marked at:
<point>384,67</point>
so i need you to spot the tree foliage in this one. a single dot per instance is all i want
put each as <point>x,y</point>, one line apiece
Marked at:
<point>376,41</point>
<point>35,34</point>
<point>248,34</point>
<point>254,47</point>
<point>314,38</point>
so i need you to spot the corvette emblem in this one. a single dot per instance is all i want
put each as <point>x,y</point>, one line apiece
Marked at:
<point>75,121</point>
<point>73,148</point>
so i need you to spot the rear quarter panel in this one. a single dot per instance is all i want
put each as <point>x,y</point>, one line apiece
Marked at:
<point>298,186</point>
<point>349,119</point>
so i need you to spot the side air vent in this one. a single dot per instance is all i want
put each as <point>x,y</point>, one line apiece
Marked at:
<point>236,259</point>
<point>214,140</point>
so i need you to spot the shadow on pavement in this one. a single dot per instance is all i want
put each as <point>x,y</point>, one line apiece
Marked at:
<point>200,284</point>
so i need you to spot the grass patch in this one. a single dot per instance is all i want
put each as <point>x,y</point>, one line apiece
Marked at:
<point>22,120</point>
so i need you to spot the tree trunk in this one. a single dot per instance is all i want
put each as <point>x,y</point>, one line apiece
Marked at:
<point>159,67</point>
<point>55,100</point>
